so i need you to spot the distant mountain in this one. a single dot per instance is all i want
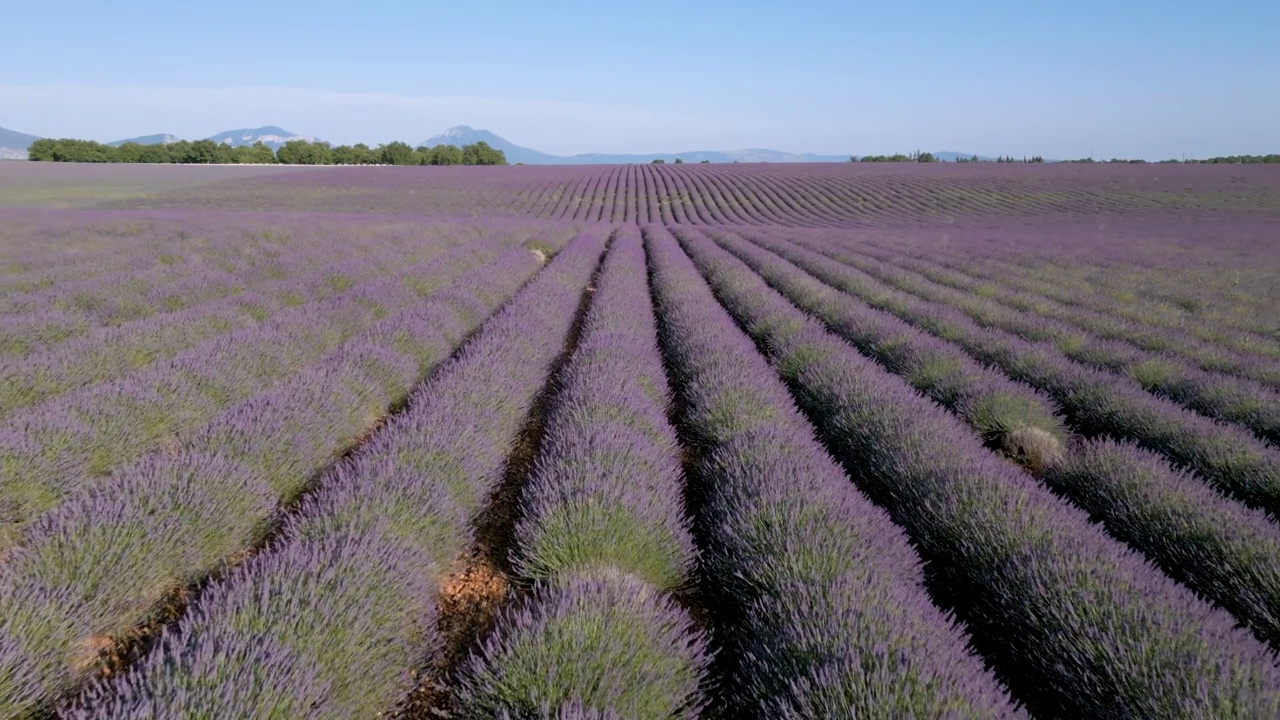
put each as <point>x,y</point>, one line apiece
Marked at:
<point>465,135</point>
<point>161,139</point>
<point>13,144</point>
<point>271,135</point>
<point>749,155</point>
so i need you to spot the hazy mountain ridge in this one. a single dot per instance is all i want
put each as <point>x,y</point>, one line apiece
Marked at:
<point>157,139</point>
<point>272,136</point>
<point>13,144</point>
<point>465,134</point>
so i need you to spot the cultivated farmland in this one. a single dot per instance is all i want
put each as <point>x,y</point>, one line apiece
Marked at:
<point>646,441</point>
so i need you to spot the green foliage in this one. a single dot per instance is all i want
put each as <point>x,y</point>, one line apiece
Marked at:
<point>200,152</point>
<point>396,153</point>
<point>257,153</point>
<point>301,152</point>
<point>68,150</point>
<point>358,154</point>
<point>576,537</point>
<point>659,161</point>
<point>1241,160</point>
<point>481,153</point>
<point>898,157</point>
<point>606,641</point>
<point>130,152</point>
<point>156,154</point>
<point>679,161</point>
<point>445,155</point>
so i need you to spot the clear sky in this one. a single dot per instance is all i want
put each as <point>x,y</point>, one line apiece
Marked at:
<point>1061,79</point>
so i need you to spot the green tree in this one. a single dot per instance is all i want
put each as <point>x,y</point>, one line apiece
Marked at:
<point>659,161</point>
<point>72,150</point>
<point>396,153</point>
<point>321,153</point>
<point>481,153</point>
<point>679,161</point>
<point>155,154</point>
<point>446,155</point>
<point>346,155</point>
<point>358,154</point>
<point>130,152</point>
<point>224,154</point>
<point>177,150</point>
<point>261,153</point>
<point>43,150</point>
<point>199,152</point>
<point>301,152</point>
<point>294,152</point>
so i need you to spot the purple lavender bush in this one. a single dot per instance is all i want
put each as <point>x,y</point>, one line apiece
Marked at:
<point>1092,401</point>
<point>602,532</point>
<point>1003,413</point>
<point>1231,399</point>
<point>401,505</point>
<point>1116,302</point>
<point>1076,622</point>
<point>1223,551</point>
<point>795,558</point>
<point>600,639</point>
<point>606,486</point>
<point>83,436</point>
<point>316,628</point>
<point>125,542</point>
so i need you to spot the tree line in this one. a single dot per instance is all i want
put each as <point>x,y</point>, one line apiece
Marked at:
<point>293,152</point>
<point>1225,160</point>
<point>929,157</point>
<point>916,156</point>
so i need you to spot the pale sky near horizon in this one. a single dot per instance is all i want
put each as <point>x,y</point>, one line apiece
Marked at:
<point>1109,77</point>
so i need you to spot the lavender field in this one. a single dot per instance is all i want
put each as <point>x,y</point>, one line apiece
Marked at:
<point>644,441</point>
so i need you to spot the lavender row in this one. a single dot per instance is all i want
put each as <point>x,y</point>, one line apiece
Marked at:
<point>816,597</point>
<point>1076,622</point>
<point>825,194</point>
<point>602,532</point>
<point>1016,419</point>
<point>600,640</point>
<point>1223,551</point>
<point>111,265</point>
<point>1093,402</point>
<point>337,616</point>
<point>100,563</point>
<point>1210,341</point>
<point>1213,545</point>
<point>110,352</point>
<point>605,489</point>
<point>1240,400</point>
<point>175,266</point>
<point>1157,296</point>
<point>79,437</point>
<point>47,247</point>
<point>205,258</point>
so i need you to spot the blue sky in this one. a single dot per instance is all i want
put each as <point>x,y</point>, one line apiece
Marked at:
<point>1061,79</point>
